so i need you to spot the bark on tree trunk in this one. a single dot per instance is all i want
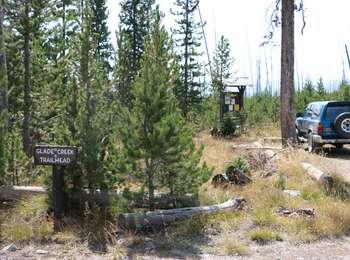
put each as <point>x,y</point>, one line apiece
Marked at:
<point>26,89</point>
<point>150,185</point>
<point>287,73</point>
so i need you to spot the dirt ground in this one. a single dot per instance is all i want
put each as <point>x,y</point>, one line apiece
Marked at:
<point>339,162</point>
<point>325,249</point>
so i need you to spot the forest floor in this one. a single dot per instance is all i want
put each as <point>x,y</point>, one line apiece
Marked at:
<point>222,236</point>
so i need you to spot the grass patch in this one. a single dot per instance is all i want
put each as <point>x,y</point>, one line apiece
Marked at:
<point>263,217</point>
<point>332,220</point>
<point>339,189</point>
<point>232,246</point>
<point>263,236</point>
<point>27,221</point>
<point>221,221</point>
<point>312,193</point>
<point>280,181</point>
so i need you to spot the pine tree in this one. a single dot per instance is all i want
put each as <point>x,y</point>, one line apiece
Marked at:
<point>134,19</point>
<point>321,91</point>
<point>3,97</point>
<point>157,136</point>
<point>222,68</point>
<point>188,41</point>
<point>101,34</point>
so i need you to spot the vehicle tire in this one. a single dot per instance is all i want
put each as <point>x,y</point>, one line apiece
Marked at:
<point>312,147</point>
<point>342,125</point>
<point>298,135</point>
<point>339,146</point>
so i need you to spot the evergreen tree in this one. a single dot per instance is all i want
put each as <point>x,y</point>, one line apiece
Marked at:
<point>222,68</point>
<point>134,19</point>
<point>101,34</point>
<point>3,97</point>
<point>321,91</point>
<point>188,42</point>
<point>157,138</point>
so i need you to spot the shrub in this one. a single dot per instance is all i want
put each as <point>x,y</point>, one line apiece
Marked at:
<point>263,236</point>
<point>232,246</point>
<point>241,163</point>
<point>280,181</point>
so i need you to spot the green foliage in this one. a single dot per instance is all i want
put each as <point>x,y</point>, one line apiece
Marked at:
<point>187,37</point>
<point>3,100</point>
<point>280,181</point>
<point>261,109</point>
<point>263,236</point>
<point>228,126</point>
<point>135,18</point>
<point>240,162</point>
<point>157,138</point>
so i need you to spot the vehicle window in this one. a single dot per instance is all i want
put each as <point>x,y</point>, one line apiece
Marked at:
<point>333,112</point>
<point>308,111</point>
<point>317,109</point>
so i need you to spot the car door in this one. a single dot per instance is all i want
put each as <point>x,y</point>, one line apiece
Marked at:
<point>306,119</point>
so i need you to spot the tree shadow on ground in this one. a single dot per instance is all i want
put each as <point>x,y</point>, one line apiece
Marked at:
<point>340,153</point>
<point>164,245</point>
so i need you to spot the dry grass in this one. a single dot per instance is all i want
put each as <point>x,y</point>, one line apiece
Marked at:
<point>265,195</point>
<point>232,246</point>
<point>217,152</point>
<point>27,221</point>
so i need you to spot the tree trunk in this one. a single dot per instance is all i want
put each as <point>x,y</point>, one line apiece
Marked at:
<point>287,73</point>
<point>157,219</point>
<point>26,89</point>
<point>3,96</point>
<point>150,176</point>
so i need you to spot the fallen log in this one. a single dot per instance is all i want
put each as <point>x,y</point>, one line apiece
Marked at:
<point>154,220</point>
<point>318,175</point>
<point>18,192</point>
<point>101,197</point>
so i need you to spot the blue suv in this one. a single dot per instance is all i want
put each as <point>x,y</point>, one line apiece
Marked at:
<point>325,122</point>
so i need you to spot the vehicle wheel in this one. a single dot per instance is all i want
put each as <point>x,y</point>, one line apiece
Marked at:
<point>297,133</point>
<point>342,125</point>
<point>312,147</point>
<point>339,146</point>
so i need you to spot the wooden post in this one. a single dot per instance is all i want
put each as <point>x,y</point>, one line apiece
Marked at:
<point>58,196</point>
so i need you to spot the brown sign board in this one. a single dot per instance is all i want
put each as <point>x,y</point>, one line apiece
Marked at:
<point>55,155</point>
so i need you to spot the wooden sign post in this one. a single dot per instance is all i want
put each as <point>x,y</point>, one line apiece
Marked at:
<point>58,157</point>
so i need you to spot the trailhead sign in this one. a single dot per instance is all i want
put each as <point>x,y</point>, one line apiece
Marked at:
<point>58,157</point>
<point>54,155</point>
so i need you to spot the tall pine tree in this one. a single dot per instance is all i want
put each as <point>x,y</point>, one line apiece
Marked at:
<point>188,39</point>
<point>99,27</point>
<point>134,26</point>
<point>222,68</point>
<point>3,97</point>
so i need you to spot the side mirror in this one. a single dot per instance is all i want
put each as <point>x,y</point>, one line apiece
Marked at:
<point>299,114</point>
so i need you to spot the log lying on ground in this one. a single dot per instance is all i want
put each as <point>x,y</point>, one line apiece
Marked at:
<point>155,220</point>
<point>17,192</point>
<point>101,197</point>
<point>317,174</point>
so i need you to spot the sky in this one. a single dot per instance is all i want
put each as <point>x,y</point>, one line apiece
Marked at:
<point>319,51</point>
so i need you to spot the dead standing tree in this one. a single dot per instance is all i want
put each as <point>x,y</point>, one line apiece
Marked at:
<point>287,63</point>
<point>287,73</point>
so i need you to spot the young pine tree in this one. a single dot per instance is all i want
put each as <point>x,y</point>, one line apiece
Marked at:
<point>157,137</point>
